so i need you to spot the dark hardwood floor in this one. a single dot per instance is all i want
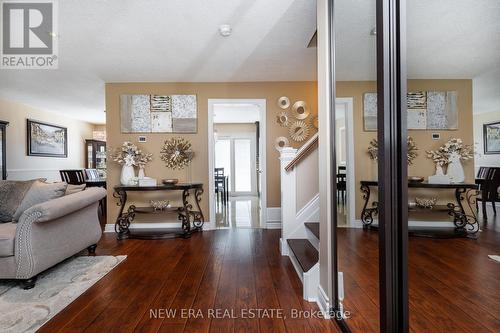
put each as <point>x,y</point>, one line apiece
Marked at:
<point>228,271</point>
<point>453,285</point>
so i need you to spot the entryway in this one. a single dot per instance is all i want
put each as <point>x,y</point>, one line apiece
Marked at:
<point>237,160</point>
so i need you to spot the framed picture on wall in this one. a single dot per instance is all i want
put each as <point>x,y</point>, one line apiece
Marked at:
<point>47,140</point>
<point>491,137</point>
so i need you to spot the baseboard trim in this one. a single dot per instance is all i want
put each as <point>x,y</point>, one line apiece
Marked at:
<point>426,224</point>
<point>273,218</point>
<point>323,302</point>
<point>284,248</point>
<point>273,225</point>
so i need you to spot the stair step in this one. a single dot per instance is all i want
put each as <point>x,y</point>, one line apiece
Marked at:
<point>305,252</point>
<point>314,227</point>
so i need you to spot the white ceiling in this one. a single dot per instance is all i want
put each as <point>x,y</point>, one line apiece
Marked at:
<point>177,41</point>
<point>156,40</point>
<point>453,39</point>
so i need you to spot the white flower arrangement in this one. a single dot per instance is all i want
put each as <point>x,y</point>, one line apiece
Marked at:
<point>130,155</point>
<point>454,146</point>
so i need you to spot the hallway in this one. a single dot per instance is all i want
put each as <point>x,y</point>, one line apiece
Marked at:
<point>239,212</point>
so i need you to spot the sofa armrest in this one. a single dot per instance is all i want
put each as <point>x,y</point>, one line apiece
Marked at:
<point>52,231</point>
<point>57,208</point>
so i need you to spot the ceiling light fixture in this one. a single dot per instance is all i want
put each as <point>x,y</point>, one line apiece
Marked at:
<point>225,30</point>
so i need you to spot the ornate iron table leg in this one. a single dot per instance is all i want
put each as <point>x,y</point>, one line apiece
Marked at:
<point>368,213</point>
<point>123,220</point>
<point>198,218</point>
<point>185,214</point>
<point>463,220</point>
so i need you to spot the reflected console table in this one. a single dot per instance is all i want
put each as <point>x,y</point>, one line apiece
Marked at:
<point>466,223</point>
<point>191,219</point>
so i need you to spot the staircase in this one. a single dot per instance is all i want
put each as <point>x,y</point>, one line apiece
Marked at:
<point>300,228</point>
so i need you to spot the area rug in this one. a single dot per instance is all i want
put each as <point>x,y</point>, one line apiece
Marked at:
<point>494,257</point>
<point>27,310</point>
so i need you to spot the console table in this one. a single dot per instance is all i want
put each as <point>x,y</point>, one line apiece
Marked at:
<point>465,224</point>
<point>185,213</point>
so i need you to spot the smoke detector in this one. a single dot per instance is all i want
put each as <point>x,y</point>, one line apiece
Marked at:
<point>225,30</point>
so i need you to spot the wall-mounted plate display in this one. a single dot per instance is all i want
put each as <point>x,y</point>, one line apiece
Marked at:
<point>284,102</point>
<point>299,130</point>
<point>282,119</point>
<point>300,110</point>
<point>281,142</point>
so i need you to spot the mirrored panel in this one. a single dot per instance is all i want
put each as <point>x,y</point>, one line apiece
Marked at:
<point>453,55</point>
<point>357,167</point>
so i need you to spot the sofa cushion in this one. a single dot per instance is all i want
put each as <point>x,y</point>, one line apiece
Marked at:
<point>7,236</point>
<point>38,193</point>
<point>12,194</point>
<point>72,189</point>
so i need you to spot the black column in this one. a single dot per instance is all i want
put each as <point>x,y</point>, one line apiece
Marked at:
<point>393,183</point>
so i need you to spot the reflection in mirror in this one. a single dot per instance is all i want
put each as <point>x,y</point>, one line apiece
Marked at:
<point>355,133</point>
<point>453,59</point>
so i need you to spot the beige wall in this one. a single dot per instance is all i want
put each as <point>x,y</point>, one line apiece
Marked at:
<point>270,91</point>
<point>422,166</point>
<point>19,164</point>
<point>307,176</point>
<point>479,120</point>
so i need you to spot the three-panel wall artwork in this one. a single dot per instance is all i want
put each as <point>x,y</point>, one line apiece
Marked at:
<point>158,113</point>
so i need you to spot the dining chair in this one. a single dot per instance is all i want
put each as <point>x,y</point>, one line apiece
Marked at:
<point>220,184</point>
<point>483,171</point>
<point>341,187</point>
<point>489,189</point>
<point>73,177</point>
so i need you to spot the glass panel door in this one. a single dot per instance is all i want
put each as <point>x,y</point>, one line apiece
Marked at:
<point>244,166</point>
<point>223,156</point>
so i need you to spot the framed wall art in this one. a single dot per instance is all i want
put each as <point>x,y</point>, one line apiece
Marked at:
<point>47,140</point>
<point>491,137</point>
<point>158,113</point>
<point>426,110</point>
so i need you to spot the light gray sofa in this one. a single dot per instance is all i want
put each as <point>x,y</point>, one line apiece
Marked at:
<point>48,233</point>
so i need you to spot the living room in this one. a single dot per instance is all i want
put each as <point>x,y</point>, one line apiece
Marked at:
<point>117,212</point>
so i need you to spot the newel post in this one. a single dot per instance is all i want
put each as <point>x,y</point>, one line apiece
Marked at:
<point>288,197</point>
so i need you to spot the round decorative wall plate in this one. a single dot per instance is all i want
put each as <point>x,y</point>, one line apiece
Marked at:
<point>281,142</point>
<point>300,110</point>
<point>284,102</point>
<point>282,119</point>
<point>299,130</point>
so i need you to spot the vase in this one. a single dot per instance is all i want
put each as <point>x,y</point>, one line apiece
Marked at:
<point>375,170</point>
<point>127,174</point>
<point>455,169</point>
<point>439,170</point>
<point>141,173</point>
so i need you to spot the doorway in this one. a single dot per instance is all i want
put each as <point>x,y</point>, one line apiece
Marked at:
<point>344,148</point>
<point>236,136</point>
